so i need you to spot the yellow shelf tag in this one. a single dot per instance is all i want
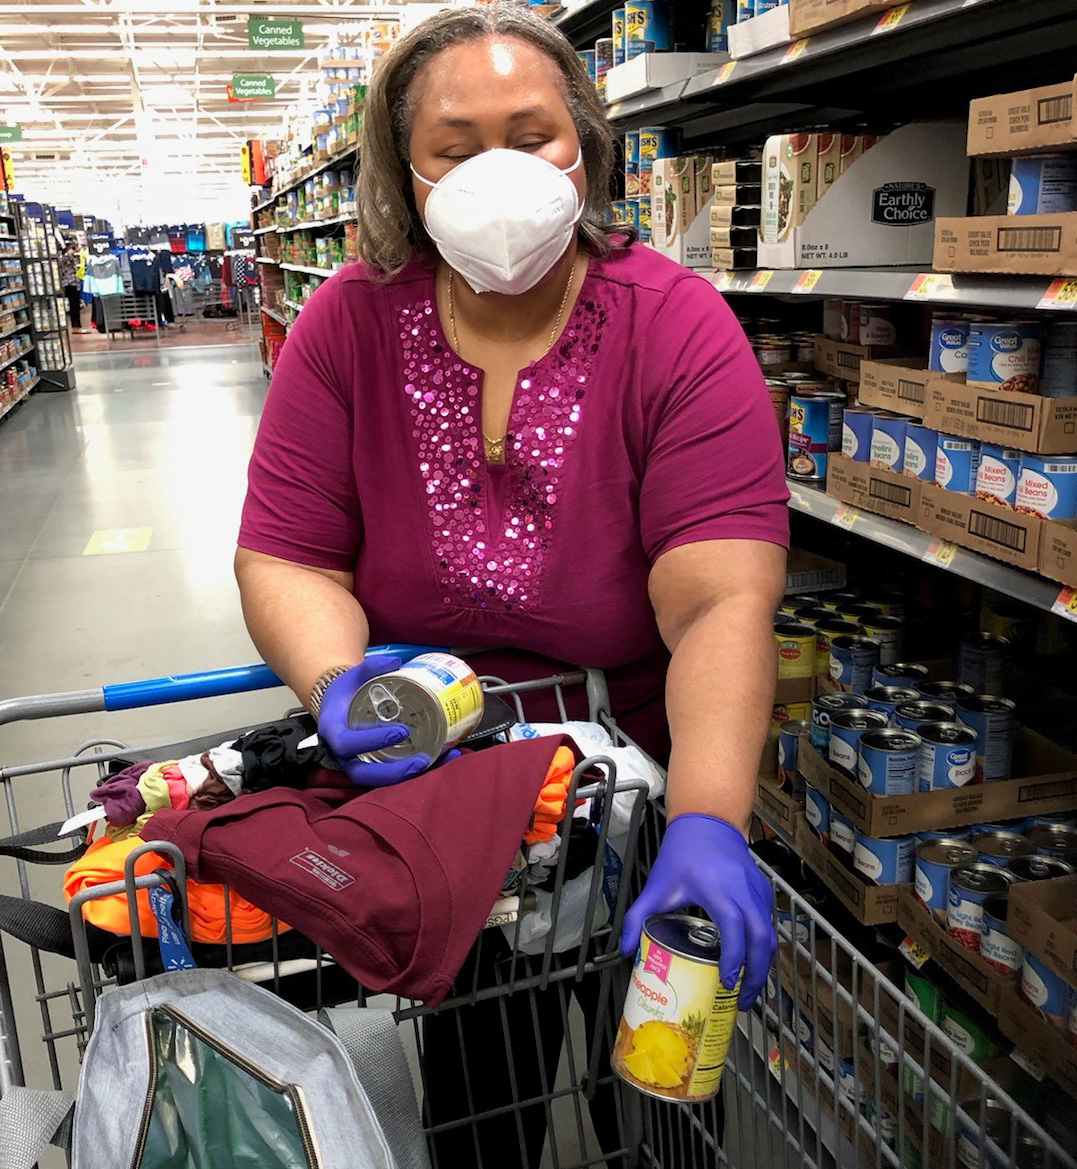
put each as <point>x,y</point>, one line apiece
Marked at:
<point>760,280</point>
<point>890,19</point>
<point>1059,294</point>
<point>1065,604</point>
<point>940,552</point>
<point>915,953</point>
<point>808,280</point>
<point>795,50</point>
<point>846,515</point>
<point>725,73</point>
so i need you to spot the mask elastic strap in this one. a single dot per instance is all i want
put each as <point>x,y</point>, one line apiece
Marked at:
<point>421,178</point>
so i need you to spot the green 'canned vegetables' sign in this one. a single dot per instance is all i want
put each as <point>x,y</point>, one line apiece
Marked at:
<point>274,34</point>
<point>10,133</point>
<point>252,86</point>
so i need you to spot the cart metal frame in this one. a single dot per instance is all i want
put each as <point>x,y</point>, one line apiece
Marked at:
<point>788,1098</point>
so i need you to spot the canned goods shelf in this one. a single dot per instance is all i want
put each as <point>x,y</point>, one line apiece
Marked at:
<point>343,156</point>
<point>585,23</point>
<point>17,329</point>
<point>265,230</point>
<point>345,217</point>
<point>900,537</point>
<point>310,271</point>
<point>273,315</point>
<point>22,353</point>
<point>6,410</point>
<point>267,260</point>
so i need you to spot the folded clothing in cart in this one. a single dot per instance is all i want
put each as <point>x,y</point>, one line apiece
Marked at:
<point>395,883</point>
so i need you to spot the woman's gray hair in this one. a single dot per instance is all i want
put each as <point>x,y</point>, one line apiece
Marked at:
<point>390,229</point>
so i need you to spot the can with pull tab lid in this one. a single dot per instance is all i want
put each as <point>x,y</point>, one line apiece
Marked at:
<point>970,886</point>
<point>846,729</point>
<point>852,659</point>
<point>947,756</point>
<point>888,762</point>
<point>908,675</point>
<point>999,848</point>
<point>1039,868</point>
<point>823,709</point>
<point>935,861</point>
<point>886,699</point>
<point>948,692</point>
<point>912,715</point>
<point>1052,840</point>
<point>992,719</point>
<point>983,662</point>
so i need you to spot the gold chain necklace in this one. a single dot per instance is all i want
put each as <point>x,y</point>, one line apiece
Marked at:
<point>494,448</point>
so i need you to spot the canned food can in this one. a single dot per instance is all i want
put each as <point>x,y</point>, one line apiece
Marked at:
<point>1060,360</point>
<point>825,632</point>
<point>943,834</point>
<point>796,651</point>
<point>722,15</point>
<point>949,346</point>
<point>631,139</point>
<point>886,699</point>
<point>1065,818</point>
<point>655,143</point>
<point>887,1055</point>
<point>970,886</point>
<point>878,324</point>
<point>956,463</point>
<point>983,661</point>
<point>906,675</point>
<point>853,1091</point>
<point>935,860</point>
<point>846,729</point>
<point>618,211</point>
<point>815,422</point>
<point>817,812</point>
<point>836,600</point>
<point>888,632</point>
<point>992,719</point>
<point>678,1018</point>
<point>925,994</point>
<point>1005,355</point>
<point>885,862</point>
<point>888,442</point>
<point>1052,840</point>
<point>1011,621</point>
<point>856,427</point>
<point>647,20</point>
<point>1039,868</point>
<point>947,756</point>
<point>858,611</point>
<point>587,56</point>
<point>946,692</point>
<point>805,348</point>
<point>997,474</point>
<point>966,1034</point>
<point>1042,184</point>
<point>779,399</point>
<point>632,212</point>
<point>999,848</point>
<point>912,715</point>
<point>435,695</point>
<point>1047,487</point>
<point>791,604</point>
<point>823,708</point>
<point>809,614</point>
<point>632,185</point>
<point>893,604</point>
<point>603,64</point>
<point>852,659</point>
<point>842,832</point>
<point>889,761</point>
<point>634,47</point>
<point>921,451</point>
<point>618,36</point>
<point>1045,990</point>
<point>996,945</point>
<point>789,749</point>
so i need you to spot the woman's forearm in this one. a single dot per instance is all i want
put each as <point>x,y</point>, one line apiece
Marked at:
<point>719,694</point>
<point>303,621</point>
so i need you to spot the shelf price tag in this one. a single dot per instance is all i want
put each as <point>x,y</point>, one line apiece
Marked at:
<point>795,50</point>
<point>1060,294</point>
<point>940,552</point>
<point>808,280</point>
<point>724,73</point>
<point>1065,604</point>
<point>930,286</point>
<point>759,281</point>
<point>846,515</point>
<point>776,1063</point>
<point>914,952</point>
<point>722,280</point>
<point>890,19</point>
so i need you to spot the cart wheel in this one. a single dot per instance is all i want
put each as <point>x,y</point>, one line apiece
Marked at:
<point>231,327</point>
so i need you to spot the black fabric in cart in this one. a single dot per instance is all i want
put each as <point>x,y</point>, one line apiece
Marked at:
<point>145,272</point>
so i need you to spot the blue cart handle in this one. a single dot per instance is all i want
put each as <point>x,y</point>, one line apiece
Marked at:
<point>215,683</point>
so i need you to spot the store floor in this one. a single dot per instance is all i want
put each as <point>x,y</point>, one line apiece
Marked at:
<point>187,333</point>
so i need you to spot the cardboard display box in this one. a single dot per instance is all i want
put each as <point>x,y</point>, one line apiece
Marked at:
<point>1037,1040</point>
<point>975,975</point>
<point>767,31</point>
<point>840,359</point>
<point>1027,421</point>
<point>1047,784</point>
<point>888,493</point>
<point>680,218</point>
<point>869,904</point>
<point>889,201</point>
<point>655,70</point>
<point>981,526</point>
<point>900,384</point>
<point>1025,122</point>
<point>811,16</point>
<point>777,808</point>
<point>1058,551</point>
<point>1043,919</point>
<point>1029,245</point>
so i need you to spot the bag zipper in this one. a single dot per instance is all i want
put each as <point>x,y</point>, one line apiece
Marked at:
<point>147,1108</point>
<point>292,1091</point>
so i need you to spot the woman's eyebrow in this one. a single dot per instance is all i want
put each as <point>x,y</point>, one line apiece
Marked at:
<point>460,123</point>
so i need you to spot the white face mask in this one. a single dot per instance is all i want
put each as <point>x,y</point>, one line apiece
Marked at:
<point>503,218</point>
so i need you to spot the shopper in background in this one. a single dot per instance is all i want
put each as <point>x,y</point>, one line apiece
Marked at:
<point>69,279</point>
<point>512,426</point>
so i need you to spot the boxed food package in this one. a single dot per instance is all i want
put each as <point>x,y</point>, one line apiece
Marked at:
<point>1027,121</point>
<point>1029,422</point>
<point>655,70</point>
<point>732,259</point>
<point>885,492</point>
<point>890,199</point>
<point>680,227</point>
<point>734,237</point>
<point>981,526</point>
<point>812,16</point>
<point>828,166</point>
<point>1034,245</point>
<point>726,216</point>
<point>733,171</point>
<point>766,31</point>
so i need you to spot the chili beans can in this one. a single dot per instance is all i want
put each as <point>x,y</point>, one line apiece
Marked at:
<point>678,1018</point>
<point>817,812</point>
<point>435,695</point>
<point>823,708</point>
<point>996,945</point>
<point>856,429</point>
<point>912,715</point>
<point>886,699</point>
<point>945,692</point>
<point>905,675</point>
<point>796,651</point>
<point>992,719</point>
<point>842,832</point>
<point>789,749</point>
<point>825,632</point>
<point>1047,991</point>
<point>999,848</point>
<point>1052,840</point>
<point>983,661</point>
<point>846,729</point>
<point>1005,355</point>
<point>1039,868</point>
<point>947,756</point>
<point>889,761</point>
<point>885,862</point>
<point>852,659</point>
<point>888,632</point>
<point>970,886</point>
<point>935,860</point>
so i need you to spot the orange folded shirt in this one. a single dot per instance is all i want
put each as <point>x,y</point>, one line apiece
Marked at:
<point>550,805</point>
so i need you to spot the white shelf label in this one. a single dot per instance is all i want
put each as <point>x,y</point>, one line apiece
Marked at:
<point>846,515</point>
<point>914,952</point>
<point>808,280</point>
<point>931,286</point>
<point>1065,604</point>
<point>722,280</point>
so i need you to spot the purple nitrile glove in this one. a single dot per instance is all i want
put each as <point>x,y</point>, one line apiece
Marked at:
<point>345,743</point>
<point>705,861</point>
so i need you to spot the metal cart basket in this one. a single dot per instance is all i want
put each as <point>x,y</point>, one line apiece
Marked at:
<point>828,1069</point>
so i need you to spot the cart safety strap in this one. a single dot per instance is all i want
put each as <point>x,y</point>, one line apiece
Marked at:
<point>16,846</point>
<point>372,1041</point>
<point>30,1121</point>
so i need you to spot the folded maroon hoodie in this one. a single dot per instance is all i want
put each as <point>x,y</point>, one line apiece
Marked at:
<point>395,884</point>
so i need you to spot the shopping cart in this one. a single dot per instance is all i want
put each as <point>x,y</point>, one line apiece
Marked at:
<point>828,1069</point>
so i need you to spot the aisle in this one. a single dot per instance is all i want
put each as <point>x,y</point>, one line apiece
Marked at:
<point>150,454</point>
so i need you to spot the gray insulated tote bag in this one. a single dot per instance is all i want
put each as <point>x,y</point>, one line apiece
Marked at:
<point>198,1069</point>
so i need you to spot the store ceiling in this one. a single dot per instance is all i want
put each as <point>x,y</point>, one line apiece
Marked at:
<point>99,87</point>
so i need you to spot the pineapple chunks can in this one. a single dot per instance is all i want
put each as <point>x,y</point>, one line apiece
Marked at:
<point>678,1018</point>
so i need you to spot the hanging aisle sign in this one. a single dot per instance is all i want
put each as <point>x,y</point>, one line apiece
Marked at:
<point>10,133</point>
<point>274,34</point>
<point>252,87</point>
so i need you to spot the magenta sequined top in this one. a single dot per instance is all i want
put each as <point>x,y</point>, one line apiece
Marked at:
<point>647,426</point>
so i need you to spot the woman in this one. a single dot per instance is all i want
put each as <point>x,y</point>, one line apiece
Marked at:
<point>69,280</point>
<point>513,427</point>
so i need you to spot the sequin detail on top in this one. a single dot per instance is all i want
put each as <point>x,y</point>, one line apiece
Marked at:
<point>499,570</point>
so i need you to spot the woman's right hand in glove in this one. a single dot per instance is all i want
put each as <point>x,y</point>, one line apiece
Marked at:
<point>346,743</point>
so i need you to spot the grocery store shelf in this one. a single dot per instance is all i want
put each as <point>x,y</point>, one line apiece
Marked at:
<point>294,305</point>
<point>12,291</point>
<point>336,160</point>
<point>344,217</point>
<point>273,315</point>
<point>900,537</point>
<point>17,329</point>
<point>310,271</point>
<point>584,23</point>
<point>1024,293</point>
<point>266,260</point>
<point>15,308</point>
<point>933,49</point>
<point>265,230</point>
<point>6,410</point>
<point>11,360</point>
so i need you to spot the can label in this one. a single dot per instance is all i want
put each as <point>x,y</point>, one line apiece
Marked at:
<point>888,443</point>
<point>996,476</point>
<point>1048,993</point>
<point>1044,184</point>
<point>956,463</point>
<point>964,918</point>
<point>887,773</point>
<point>886,862</point>
<point>817,812</point>
<point>677,1025</point>
<point>1006,356</point>
<point>932,884</point>
<point>815,429</point>
<point>994,742</point>
<point>920,451</point>
<point>998,948</point>
<point>944,765</point>
<point>842,832</point>
<point>1047,487</point>
<point>949,347</point>
<point>856,431</point>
